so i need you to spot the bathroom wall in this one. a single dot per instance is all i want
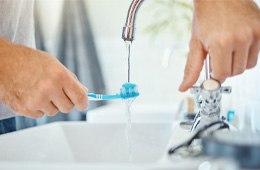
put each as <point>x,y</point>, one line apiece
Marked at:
<point>157,84</point>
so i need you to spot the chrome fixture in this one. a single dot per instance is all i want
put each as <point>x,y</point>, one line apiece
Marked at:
<point>129,28</point>
<point>208,98</point>
<point>210,93</point>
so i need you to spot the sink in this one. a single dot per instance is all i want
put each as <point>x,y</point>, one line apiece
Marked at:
<point>96,146</point>
<point>140,112</point>
<point>86,143</point>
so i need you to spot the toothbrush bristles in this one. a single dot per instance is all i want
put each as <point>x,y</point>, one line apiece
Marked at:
<point>129,90</point>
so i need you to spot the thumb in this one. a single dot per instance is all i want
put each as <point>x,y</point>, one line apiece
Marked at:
<point>193,65</point>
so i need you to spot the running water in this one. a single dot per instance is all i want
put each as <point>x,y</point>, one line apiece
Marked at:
<point>128,103</point>
<point>128,129</point>
<point>128,52</point>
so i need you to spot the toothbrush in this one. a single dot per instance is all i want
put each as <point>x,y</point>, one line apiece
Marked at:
<point>128,90</point>
<point>98,97</point>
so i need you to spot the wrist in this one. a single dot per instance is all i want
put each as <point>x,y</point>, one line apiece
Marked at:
<point>197,1</point>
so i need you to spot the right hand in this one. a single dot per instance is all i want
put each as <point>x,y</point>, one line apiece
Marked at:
<point>33,83</point>
<point>227,30</point>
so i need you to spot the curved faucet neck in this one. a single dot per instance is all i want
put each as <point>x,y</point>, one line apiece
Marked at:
<point>129,28</point>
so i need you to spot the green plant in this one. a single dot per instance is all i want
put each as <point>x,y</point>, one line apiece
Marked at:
<point>173,16</point>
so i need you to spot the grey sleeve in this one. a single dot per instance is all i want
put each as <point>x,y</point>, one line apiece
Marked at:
<point>5,112</point>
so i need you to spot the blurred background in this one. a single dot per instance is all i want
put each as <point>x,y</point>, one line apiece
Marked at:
<point>85,35</point>
<point>149,50</point>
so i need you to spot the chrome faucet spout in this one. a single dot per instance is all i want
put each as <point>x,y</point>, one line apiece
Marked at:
<point>129,28</point>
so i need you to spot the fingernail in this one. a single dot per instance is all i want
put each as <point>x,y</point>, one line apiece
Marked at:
<point>185,83</point>
<point>182,85</point>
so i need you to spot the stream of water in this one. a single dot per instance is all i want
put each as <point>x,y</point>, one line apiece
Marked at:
<point>128,55</point>
<point>128,129</point>
<point>128,103</point>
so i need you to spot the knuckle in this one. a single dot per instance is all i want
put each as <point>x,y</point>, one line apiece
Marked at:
<point>82,107</point>
<point>225,41</point>
<point>50,110</point>
<point>237,71</point>
<point>246,36</point>
<point>222,75</point>
<point>248,31</point>
<point>74,75</point>
<point>60,75</point>
<point>53,112</point>
<point>251,65</point>
<point>225,75</point>
<point>46,88</point>
<point>252,62</point>
<point>81,98</point>
<point>33,104</point>
<point>27,112</point>
<point>32,114</point>
<point>38,115</point>
<point>66,108</point>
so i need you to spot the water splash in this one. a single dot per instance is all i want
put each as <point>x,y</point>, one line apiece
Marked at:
<point>128,129</point>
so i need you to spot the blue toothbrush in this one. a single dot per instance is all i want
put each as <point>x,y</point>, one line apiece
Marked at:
<point>128,90</point>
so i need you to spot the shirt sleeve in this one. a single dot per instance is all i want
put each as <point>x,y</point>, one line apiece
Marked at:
<point>6,112</point>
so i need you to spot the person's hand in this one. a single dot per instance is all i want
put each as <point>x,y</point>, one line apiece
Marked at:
<point>227,30</point>
<point>33,83</point>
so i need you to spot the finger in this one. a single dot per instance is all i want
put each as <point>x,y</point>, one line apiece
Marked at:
<point>62,102</point>
<point>50,109</point>
<point>38,114</point>
<point>77,94</point>
<point>239,60</point>
<point>221,63</point>
<point>253,55</point>
<point>194,65</point>
<point>73,75</point>
<point>85,88</point>
<point>24,110</point>
<point>32,114</point>
<point>76,78</point>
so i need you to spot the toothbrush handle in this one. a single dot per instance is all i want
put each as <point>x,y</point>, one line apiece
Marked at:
<point>99,97</point>
<point>93,99</point>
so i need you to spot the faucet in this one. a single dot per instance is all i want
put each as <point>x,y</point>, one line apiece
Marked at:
<point>129,28</point>
<point>208,98</point>
<point>208,95</point>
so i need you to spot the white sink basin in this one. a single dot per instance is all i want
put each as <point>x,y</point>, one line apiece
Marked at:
<point>140,112</point>
<point>83,142</point>
<point>95,146</point>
